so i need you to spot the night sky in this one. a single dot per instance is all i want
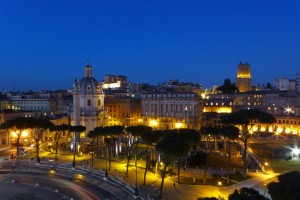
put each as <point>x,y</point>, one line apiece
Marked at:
<point>46,44</point>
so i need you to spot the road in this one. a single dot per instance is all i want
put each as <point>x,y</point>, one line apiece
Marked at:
<point>48,187</point>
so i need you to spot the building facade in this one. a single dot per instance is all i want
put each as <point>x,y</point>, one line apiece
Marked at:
<point>172,110</point>
<point>243,79</point>
<point>88,102</point>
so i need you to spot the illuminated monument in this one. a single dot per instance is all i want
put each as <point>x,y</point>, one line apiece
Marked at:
<point>243,80</point>
<point>88,101</point>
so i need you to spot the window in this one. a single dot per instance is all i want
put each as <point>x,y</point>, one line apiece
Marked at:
<point>89,102</point>
<point>99,102</point>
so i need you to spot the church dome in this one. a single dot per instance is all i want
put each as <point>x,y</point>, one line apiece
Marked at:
<point>88,84</point>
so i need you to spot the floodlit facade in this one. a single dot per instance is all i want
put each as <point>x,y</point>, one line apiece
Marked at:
<point>172,110</point>
<point>88,102</point>
<point>243,79</point>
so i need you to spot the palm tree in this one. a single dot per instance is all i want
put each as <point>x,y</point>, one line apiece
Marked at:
<point>40,126</point>
<point>17,125</point>
<point>171,148</point>
<point>246,119</point>
<point>76,130</point>
<point>58,131</point>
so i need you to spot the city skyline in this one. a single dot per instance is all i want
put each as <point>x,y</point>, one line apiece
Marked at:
<point>45,45</point>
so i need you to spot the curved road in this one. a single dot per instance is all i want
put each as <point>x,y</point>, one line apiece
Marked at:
<point>38,187</point>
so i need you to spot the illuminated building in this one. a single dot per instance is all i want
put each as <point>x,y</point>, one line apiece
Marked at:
<point>171,110</point>
<point>113,82</point>
<point>122,109</point>
<point>88,101</point>
<point>243,79</point>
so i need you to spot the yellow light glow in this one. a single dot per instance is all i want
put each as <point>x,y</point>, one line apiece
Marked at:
<point>225,110</point>
<point>111,85</point>
<point>140,120</point>
<point>255,128</point>
<point>153,123</point>
<point>178,125</point>
<point>279,130</point>
<point>219,183</point>
<point>51,171</point>
<point>287,130</point>
<point>270,129</point>
<point>25,133</point>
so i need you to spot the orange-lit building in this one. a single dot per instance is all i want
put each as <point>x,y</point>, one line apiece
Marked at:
<point>122,109</point>
<point>243,79</point>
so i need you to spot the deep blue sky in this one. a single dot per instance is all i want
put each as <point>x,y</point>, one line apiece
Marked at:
<point>45,44</point>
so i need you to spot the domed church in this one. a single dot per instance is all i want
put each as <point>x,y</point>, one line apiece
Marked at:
<point>88,101</point>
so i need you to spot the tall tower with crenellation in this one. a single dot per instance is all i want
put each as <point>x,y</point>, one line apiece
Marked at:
<point>243,80</point>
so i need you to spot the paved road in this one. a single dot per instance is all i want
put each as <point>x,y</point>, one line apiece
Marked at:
<point>49,187</point>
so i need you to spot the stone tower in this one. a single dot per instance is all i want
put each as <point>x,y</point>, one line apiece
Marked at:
<point>243,80</point>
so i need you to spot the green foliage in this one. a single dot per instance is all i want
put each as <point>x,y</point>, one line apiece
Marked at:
<point>78,129</point>
<point>191,136</point>
<point>246,116</point>
<point>246,194</point>
<point>20,123</point>
<point>60,128</point>
<point>198,158</point>
<point>288,187</point>
<point>227,87</point>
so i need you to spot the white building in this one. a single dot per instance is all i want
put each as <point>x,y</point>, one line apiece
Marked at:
<point>88,101</point>
<point>165,110</point>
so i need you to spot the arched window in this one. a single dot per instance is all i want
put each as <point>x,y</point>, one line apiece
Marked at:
<point>89,102</point>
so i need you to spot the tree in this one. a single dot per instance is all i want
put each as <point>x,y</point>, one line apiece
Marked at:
<point>230,133</point>
<point>171,148</point>
<point>93,135</point>
<point>40,126</point>
<point>287,187</point>
<point>76,131</point>
<point>114,132</point>
<point>246,194</point>
<point>192,138</point>
<point>58,131</point>
<point>246,119</point>
<point>17,125</point>
<point>227,87</point>
<point>136,132</point>
<point>148,137</point>
<point>197,158</point>
<point>207,131</point>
